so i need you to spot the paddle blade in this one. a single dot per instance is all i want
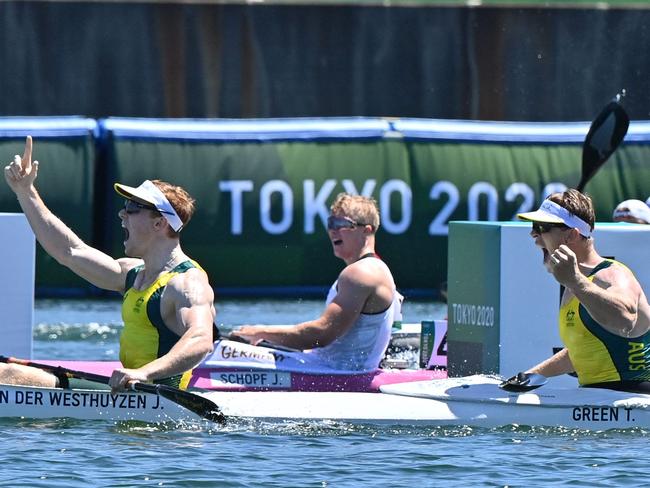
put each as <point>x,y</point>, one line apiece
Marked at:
<point>605,134</point>
<point>198,404</point>
<point>194,403</point>
<point>523,382</point>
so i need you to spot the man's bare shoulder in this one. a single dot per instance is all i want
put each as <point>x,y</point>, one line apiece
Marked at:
<point>192,286</point>
<point>617,275</point>
<point>367,272</point>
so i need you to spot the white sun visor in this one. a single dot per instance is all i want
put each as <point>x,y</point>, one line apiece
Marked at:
<point>148,193</point>
<point>551,213</point>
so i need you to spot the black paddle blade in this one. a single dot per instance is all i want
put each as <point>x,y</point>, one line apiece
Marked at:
<point>523,382</point>
<point>194,403</point>
<point>605,134</point>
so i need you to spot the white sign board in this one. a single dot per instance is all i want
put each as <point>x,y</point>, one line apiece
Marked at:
<point>17,248</point>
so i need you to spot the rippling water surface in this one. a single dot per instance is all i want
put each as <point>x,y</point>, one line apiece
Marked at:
<point>65,453</point>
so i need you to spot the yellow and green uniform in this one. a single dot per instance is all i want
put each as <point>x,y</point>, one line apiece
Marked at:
<point>145,336</point>
<point>597,355</point>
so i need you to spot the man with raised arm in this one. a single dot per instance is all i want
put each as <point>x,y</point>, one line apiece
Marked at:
<point>604,314</point>
<point>168,309</point>
<point>353,332</point>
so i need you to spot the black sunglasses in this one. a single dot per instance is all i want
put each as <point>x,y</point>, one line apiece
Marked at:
<point>543,227</point>
<point>337,223</point>
<point>132,207</point>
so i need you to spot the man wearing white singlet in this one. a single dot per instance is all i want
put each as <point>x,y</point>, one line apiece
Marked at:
<point>354,330</point>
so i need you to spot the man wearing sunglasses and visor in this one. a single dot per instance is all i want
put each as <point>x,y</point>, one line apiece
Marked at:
<point>353,332</point>
<point>168,309</point>
<point>604,316</point>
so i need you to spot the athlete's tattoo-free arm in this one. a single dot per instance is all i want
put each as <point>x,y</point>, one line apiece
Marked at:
<point>58,240</point>
<point>558,364</point>
<point>335,321</point>
<point>190,298</point>
<point>612,299</point>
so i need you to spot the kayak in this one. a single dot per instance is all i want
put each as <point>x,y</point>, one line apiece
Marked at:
<point>247,378</point>
<point>232,379</point>
<point>470,401</point>
<point>236,366</point>
<point>478,401</point>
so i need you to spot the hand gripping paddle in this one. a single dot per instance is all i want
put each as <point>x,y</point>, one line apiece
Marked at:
<point>522,382</point>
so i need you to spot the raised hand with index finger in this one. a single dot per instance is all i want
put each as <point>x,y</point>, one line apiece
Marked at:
<point>21,172</point>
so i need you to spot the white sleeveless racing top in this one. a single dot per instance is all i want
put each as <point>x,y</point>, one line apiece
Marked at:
<point>359,350</point>
<point>363,346</point>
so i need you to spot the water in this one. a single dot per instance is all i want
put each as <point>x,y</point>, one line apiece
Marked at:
<point>66,453</point>
<point>89,329</point>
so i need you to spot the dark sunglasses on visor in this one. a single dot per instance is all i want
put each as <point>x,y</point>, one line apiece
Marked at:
<point>543,228</point>
<point>132,207</point>
<point>336,223</point>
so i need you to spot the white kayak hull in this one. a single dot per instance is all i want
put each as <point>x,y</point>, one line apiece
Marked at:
<point>473,401</point>
<point>46,403</point>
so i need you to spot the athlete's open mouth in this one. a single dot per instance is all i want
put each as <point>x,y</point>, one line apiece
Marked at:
<point>337,242</point>
<point>126,234</point>
<point>545,255</point>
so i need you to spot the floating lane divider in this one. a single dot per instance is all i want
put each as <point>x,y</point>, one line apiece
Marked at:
<point>197,404</point>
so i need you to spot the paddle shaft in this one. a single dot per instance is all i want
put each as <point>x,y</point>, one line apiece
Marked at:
<point>70,373</point>
<point>263,343</point>
<point>195,403</point>
<point>58,370</point>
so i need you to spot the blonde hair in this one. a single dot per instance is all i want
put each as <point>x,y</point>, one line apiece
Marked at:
<point>363,210</point>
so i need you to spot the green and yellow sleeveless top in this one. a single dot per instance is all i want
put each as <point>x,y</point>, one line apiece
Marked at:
<point>145,336</point>
<point>598,355</point>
